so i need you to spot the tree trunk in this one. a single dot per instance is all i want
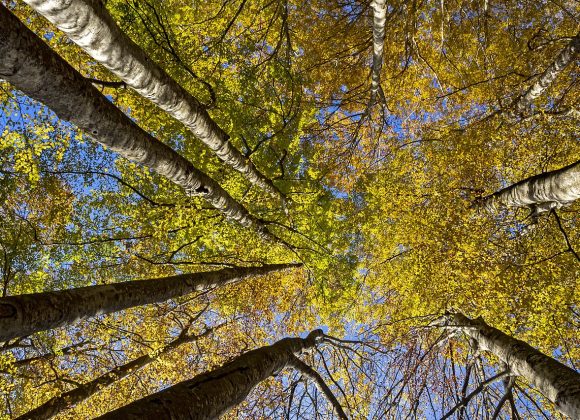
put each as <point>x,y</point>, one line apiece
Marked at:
<point>25,314</point>
<point>89,25</point>
<point>66,400</point>
<point>310,373</point>
<point>540,192</point>
<point>211,394</point>
<point>565,57</point>
<point>379,20</point>
<point>32,67</point>
<point>559,383</point>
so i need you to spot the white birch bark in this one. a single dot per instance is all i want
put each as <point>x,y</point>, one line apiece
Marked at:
<point>559,383</point>
<point>541,192</point>
<point>379,20</point>
<point>89,25</point>
<point>211,394</point>
<point>566,56</point>
<point>22,315</point>
<point>32,67</point>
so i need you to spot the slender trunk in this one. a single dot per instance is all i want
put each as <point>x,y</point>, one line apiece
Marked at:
<point>88,24</point>
<point>540,192</point>
<point>49,356</point>
<point>379,20</point>
<point>565,57</point>
<point>559,383</point>
<point>310,373</point>
<point>211,394</point>
<point>25,314</point>
<point>75,396</point>
<point>32,67</point>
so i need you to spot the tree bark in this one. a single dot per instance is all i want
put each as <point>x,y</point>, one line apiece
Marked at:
<point>540,192</point>
<point>32,67</point>
<point>565,57</point>
<point>379,20</point>
<point>559,383</point>
<point>25,314</point>
<point>66,400</point>
<point>211,394</point>
<point>89,25</point>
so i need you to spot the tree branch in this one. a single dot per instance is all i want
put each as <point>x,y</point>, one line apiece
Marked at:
<point>480,388</point>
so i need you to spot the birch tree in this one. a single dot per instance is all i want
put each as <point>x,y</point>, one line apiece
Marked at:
<point>89,25</point>
<point>22,315</point>
<point>60,403</point>
<point>566,56</point>
<point>559,383</point>
<point>540,193</point>
<point>31,66</point>
<point>379,8</point>
<point>211,394</point>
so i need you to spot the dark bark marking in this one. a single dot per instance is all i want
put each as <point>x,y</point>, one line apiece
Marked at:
<point>7,310</point>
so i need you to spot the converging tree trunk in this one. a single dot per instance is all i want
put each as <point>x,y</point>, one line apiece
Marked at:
<point>83,392</point>
<point>88,24</point>
<point>25,314</point>
<point>31,66</point>
<point>566,56</point>
<point>559,383</point>
<point>211,394</point>
<point>379,20</point>
<point>540,192</point>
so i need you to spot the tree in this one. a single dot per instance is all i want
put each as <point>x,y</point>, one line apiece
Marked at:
<point>566,56</point>
<point>379,21</point>
<point>56,405</point>
<point>559,383</point>
<point>26,67</point>
<point>540,193</point>
<point>25,314</point>
<point>211,394</point>
<point>146,77</point>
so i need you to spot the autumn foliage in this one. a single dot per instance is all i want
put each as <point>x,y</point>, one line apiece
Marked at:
<point>376,192</point>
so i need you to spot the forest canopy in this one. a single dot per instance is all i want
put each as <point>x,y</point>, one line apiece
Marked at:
<point>289,209</point>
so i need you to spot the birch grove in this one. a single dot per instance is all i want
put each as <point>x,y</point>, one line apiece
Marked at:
<point>36,70</point>
<point>124,240</point>
<point>89,25</point>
